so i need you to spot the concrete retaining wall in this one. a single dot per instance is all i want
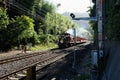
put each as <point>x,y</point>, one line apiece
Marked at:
<point>112,53</point>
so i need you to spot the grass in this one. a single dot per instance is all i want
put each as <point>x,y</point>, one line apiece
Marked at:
<point>44,47</point>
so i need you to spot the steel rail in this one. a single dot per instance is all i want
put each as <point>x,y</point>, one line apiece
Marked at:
<point>34,64</point>
<point>39,62</point>
<point>3,61</point>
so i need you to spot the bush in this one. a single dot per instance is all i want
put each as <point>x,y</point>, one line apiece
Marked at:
<point>47,38</point>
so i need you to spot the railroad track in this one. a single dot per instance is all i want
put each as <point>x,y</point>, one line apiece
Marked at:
<point>3,61</point>
<point>51,56</point>
<point>39,66</point>
<point>45,56</point>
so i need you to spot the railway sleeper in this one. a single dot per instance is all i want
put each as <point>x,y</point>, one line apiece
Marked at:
<point>13,78</point>
<point>22,74</point>
<point>19,76</point>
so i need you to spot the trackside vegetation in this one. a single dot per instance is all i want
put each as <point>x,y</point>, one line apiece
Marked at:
<point>31,22</point>
<point>111,22</point>
<point>111,26</point>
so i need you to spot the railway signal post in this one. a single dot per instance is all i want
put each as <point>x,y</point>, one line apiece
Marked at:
<point>97,18</point>
<point>74,62</point>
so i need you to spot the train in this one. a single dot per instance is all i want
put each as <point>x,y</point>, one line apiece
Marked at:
<point>67,40</point>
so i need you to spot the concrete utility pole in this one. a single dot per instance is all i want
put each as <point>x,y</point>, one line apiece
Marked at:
<point>99,16</point>
<point>99,11</point>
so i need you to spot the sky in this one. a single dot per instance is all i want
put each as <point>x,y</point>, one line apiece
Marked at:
<point>80,6</point>
<point>74,6</point>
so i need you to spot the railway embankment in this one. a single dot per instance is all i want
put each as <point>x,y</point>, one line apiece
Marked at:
<point>82,62</point>
<point>111,60</point>
<point>63,68</point>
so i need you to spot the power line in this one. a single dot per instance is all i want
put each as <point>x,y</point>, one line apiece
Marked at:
<point>24,9</point>
<point>28,10</point>
<point>36,10</point>
<point>40,9</point>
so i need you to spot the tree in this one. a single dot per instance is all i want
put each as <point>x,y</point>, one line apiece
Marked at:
<point>4,21</point>
<point>112,15</point>
<point>19,31</point>
<point>57,24</point>
<point>23,29</point>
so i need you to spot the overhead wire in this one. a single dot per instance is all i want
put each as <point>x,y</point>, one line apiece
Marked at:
<point>38,11</point>
<point>30,11</point>
<point>24,9</point>
<point>27,11</point>
<point>43,11</point>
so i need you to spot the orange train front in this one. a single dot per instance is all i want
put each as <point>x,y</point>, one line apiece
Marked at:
<point>67,40</point>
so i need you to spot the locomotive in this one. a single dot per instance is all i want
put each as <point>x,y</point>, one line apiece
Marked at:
<point>67,40</point>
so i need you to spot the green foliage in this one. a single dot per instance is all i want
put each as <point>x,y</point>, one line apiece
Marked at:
<point>45,39</point>
<point>111,19</point>
<point>48,7</point>
<point>56,24</point>
<point>4,20</point>
<point>42,8</point>
<point>44,46</point>
<point>93,24</point>
<point>27,3</point>
<point>24,28</point>
<point>19,31</point>
<point>112,29</point>
<point>44,29</point>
